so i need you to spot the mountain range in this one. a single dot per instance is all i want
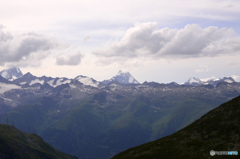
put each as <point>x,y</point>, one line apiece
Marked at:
<point>15,75</point>
<point>197,82</point>
<point>81,115</point>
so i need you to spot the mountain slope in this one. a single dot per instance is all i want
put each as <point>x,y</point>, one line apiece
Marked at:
<point>33,116</point>
<point>217,130</point>
<point>15,143</point>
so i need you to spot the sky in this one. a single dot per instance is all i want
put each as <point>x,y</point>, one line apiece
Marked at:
<point>161,41</point>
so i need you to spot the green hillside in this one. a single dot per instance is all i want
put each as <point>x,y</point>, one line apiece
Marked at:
<point>16,144</point>
<point>106,128</point>
<point>217,130</point>
<point>106,131</point>
<point>36,117</point>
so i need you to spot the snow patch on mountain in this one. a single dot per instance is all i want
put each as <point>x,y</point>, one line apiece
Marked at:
<point>72,86</point>
<point>58,82</point>
<point>22,83</point>
<point>228,81</point>
<point>36,81</point>
<point>51,82</point>
<point>87,81</point>
<point>61,81</point>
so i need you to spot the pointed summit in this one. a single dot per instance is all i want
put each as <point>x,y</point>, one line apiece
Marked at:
<point>193,81</point>
<point>123,77</point>
<point>121,72</point>
<point>26,78</point>
<point>11,73</point>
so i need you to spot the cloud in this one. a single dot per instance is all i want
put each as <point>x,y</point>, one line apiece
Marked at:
<point>86,38</point>
<point>27,49</point>
<point>231,63</point>
<point>192,41</point>
<point>229,6</point>
<point>30,49</point>
<point>235,77</point>
<point>203,69</point>
<point>71,60</point>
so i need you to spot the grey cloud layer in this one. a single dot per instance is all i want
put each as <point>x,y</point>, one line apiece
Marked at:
<point>30,49</point>
<point>71,60</point>
<point>22,48</point>
<point>146,40</point>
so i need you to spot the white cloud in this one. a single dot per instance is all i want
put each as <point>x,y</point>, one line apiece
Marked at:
<point>146,40</point>
<point>86,38</point>
<point>203,69</point>
<point>235,77</point>
<point>30,49</point>
<point>23,48</point>
<point>231,63</point>
<point>29,14</point>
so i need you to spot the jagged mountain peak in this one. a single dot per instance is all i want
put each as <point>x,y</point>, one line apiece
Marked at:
<point>121,72</point>
<point>123,77</point>
<point>228,79</point>
<point>26,78</point>
<point>11,73</point>
<point>28,74</point>
<point>194,80</point>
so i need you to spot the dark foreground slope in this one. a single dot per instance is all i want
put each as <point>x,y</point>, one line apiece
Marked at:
<point>16,144</point>
<point>217,130</point>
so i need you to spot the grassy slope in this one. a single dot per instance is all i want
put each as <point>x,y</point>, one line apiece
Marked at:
<point>217,130</point>
<point>37,116</point>
<point>15,143</point>
<point>76,129</point>
<point>88,127</point>
<point>81,127</point>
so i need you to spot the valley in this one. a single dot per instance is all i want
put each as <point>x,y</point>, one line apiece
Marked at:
<point>82,115</point>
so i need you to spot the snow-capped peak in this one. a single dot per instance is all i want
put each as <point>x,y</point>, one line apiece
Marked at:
<point>11,73</point>
<point>87,81</point>
<point>228,79</point>
<point>208,81</point>
<point>194,80</point>
<point>123,73</point>
<point>123,77</point>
